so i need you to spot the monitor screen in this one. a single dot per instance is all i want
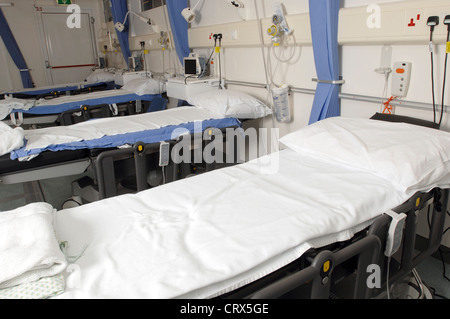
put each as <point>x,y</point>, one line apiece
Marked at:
<point>131,65</point>
<point>190,66</point>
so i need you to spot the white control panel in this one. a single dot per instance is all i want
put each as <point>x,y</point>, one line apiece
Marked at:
<point>122,78</point>
<point>181,88</point>
<point>401,76</point>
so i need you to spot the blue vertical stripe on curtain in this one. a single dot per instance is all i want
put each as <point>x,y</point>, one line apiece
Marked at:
<point>324,18</point>
<point>179,27</point>
<point>14,50</point>
<point>119,9</point>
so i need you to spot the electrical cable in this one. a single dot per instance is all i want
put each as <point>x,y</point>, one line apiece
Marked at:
<point>220,63</point>
<point>195,7</point>
<point>207,65</point>
<point>174,62</point>
<point>41,190</point>
<point>432,77</point>
<point>419,283</point>
<point>265,64</point>
<point>445,75</point>
<point>441,254</point>
<point>432,22</point>
<point>387,278</point>
<point>292,53</point>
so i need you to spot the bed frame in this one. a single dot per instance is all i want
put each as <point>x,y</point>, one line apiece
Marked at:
<point>132,166</point>
<point>89,112</point>
<point>93,87</point>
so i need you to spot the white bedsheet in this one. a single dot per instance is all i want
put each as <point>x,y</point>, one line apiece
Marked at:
<point>94,129</point>
<point>11,138</point>
<point>82,97</point>
<point>28,247</point>
<point>206,235</point>
<point>9,103</point>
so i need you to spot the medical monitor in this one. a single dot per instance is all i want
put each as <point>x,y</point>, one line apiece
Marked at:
<point>193,65</point>
<point>134,63</point>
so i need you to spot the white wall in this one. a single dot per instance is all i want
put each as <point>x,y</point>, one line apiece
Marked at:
<point>22,21</point>
<point>358,63</point>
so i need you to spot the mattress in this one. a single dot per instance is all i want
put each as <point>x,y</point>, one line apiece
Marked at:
<point>206,235</point>
<point>117,131</point>
<point>71,102</point>
<point>58,88</point>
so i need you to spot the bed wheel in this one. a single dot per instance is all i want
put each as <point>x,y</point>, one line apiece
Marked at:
<point>70,203</point>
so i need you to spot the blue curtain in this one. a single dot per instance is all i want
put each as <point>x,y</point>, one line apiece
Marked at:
<point>14,51</point>
<point>119,9</point>
<point>324,17</point>
<point>179,27</point>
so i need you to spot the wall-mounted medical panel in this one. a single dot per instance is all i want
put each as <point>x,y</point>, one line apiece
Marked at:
<point>401,22</point>
<point>246,33</point>
<point>233,34</point>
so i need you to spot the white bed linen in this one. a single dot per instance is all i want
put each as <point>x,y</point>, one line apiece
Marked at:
<point>28,248</point>
<point>98,128</point>
<point>410,155</point>
<point>11,138</point>
<point>82,97</point>
<point>206,235</point>
<point>8,104</point>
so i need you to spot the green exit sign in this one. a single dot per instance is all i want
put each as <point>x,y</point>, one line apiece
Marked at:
<point>64,1</point>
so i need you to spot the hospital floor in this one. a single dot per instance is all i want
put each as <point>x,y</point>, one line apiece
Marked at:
<point>56,191</point>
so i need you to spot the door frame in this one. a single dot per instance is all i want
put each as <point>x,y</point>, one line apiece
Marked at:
<point>43,41</point>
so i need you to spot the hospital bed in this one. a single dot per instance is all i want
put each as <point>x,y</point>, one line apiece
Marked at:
<point>47,152</point>
<point>299,218</point>
<point>98,80</point>
<point>57,90</point>
<point>141,92</point>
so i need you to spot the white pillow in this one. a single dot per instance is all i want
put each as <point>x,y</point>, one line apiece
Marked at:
<point>10,138</point>
<point>100,76</point>
<point>230,103</point>
<point>142,86</point>
<point>415,157</point>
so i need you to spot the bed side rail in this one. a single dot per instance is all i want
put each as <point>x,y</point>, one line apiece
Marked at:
<point>105,170</point>
<point>370,251</point>
<point>319,273</point>
<point>408,257</point>
<point>88,112</point>
<point>177,168</point>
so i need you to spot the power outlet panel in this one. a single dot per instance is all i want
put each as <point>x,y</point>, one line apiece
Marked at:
<point>402,22</point>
